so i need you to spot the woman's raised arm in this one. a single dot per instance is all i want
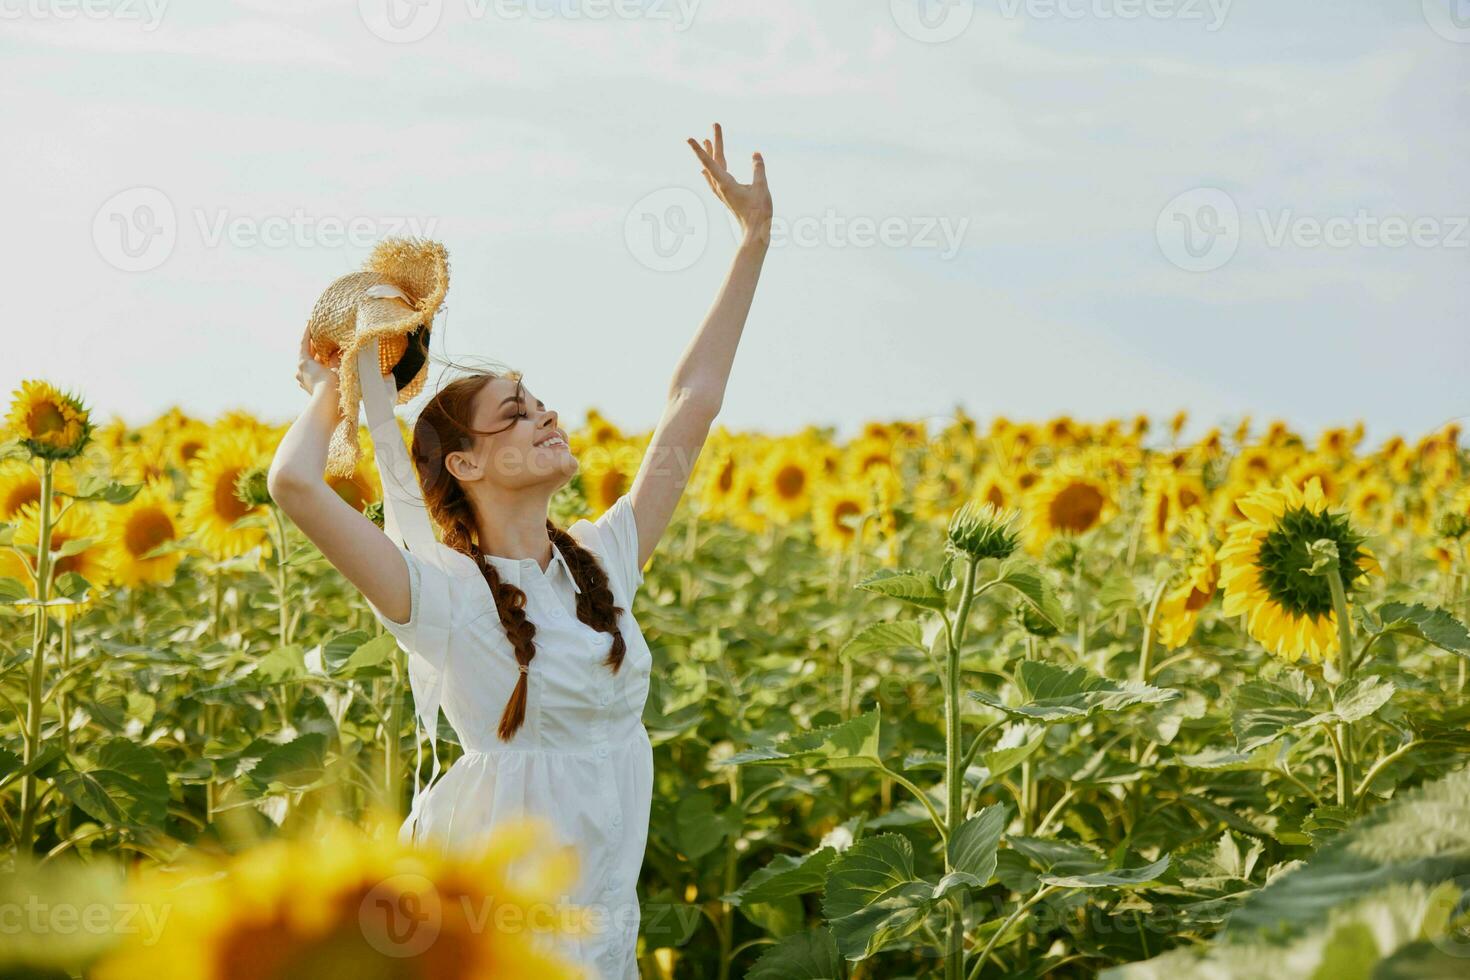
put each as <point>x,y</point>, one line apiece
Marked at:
<point>351,542</point>
<point>698,386</point>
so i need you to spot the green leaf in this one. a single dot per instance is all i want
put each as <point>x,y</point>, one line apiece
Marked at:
<point>100,488</point>
<point>1422,835</point>
<point>1018,742</point>
<point>909,585</point>
<point>71,585</point>
<point>1059,856</point>
<point>127,784</point>
<point>852,744</point>
<point>1218,759</point>
<point>1119,878</point>
<point>783,876</point>
<point>698,827</point>
<point>882,637</point>
<point>1264,711</point>
<point>368,659</point>
<point>1354,700</point>
<point>1433,626</point>
<point>282,663</point>
<point>290,764</point>
<point>805,956</point>
<point>972,850</point>
<point>1028,581</point>
<point>74,546</point>
<point>13,590</point>
<point>872,899</point>
<point>1054,694</point>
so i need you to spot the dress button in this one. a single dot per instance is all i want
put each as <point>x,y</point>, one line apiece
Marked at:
<point>602,751</point>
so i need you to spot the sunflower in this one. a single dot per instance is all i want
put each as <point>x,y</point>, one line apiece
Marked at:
<point>348,902</point>
<point>1180,607</point>
<point>786,483</point>
<point>20,484</point>
<point>362,487</point>
<point>1066,502</point>
<point>993,488</point>
<point>1263,569</point>
<point>211,506</point>
<point>50,424</point>
<point>836,512</point>
<point>1168,497</point>
<point>144,458</point>
<point>1371,503</point>
<point>71,525</point>
<point>604,480</point>
<point>135,529</point>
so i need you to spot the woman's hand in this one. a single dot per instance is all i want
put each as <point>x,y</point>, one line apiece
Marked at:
<point>313,371</point>
<point>750,203</point>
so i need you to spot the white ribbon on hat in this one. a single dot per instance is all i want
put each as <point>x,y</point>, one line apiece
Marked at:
<point>406,522</point>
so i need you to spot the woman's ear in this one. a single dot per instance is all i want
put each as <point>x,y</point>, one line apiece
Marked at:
<point>461,467</point>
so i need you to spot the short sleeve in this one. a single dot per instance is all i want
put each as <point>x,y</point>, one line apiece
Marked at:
<point>617,540</point>
<point>429,601</point>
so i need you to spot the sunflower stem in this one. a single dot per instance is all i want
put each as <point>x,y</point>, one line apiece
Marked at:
<point>28,807</point>
<point>954,783</point>
<point>1345,659</point>
<point>1150,628</point>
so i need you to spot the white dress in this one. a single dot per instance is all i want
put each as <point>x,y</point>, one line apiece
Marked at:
<point>581,760</point>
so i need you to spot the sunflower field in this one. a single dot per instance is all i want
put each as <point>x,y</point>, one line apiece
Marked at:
<point>946,699</point>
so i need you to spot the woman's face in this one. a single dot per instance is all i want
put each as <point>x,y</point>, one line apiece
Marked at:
<point>529,447</point>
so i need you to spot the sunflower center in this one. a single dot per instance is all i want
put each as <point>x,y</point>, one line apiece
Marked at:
<point>727,476</point>
<point>790,481</point>
<point>996,497</point>
<point>843,510</point>
<point>147,529</point>
<point>229,507</point>
<point>1282,561</point>
<point>45,419</point>
<point>1076,508</point>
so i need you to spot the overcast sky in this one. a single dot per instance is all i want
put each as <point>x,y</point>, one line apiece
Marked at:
<point>1021,206</point>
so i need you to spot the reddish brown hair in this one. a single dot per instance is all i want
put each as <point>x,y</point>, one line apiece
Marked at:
<point>446,425</point>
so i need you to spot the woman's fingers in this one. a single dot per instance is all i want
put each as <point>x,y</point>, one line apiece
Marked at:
<point>704,158</point>
<point>759,179</point>
<point>719,150</point>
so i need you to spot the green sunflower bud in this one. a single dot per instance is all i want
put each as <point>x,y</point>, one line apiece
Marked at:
<point>982,531</point>
<point>1453,525</point>
<point>250,486</point>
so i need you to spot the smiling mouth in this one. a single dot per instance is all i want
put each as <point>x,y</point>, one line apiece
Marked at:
<point>552,443</point>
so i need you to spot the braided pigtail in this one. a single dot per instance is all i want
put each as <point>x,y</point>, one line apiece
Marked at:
<point>595,602</point>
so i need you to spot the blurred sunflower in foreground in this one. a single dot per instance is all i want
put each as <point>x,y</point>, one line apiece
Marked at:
<point>1264,564</point>
<point>344,902</point>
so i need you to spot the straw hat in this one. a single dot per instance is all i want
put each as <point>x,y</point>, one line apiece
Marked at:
<point>392,300</point>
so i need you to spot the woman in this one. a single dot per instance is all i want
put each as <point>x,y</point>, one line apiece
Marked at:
<point>544,670</point>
